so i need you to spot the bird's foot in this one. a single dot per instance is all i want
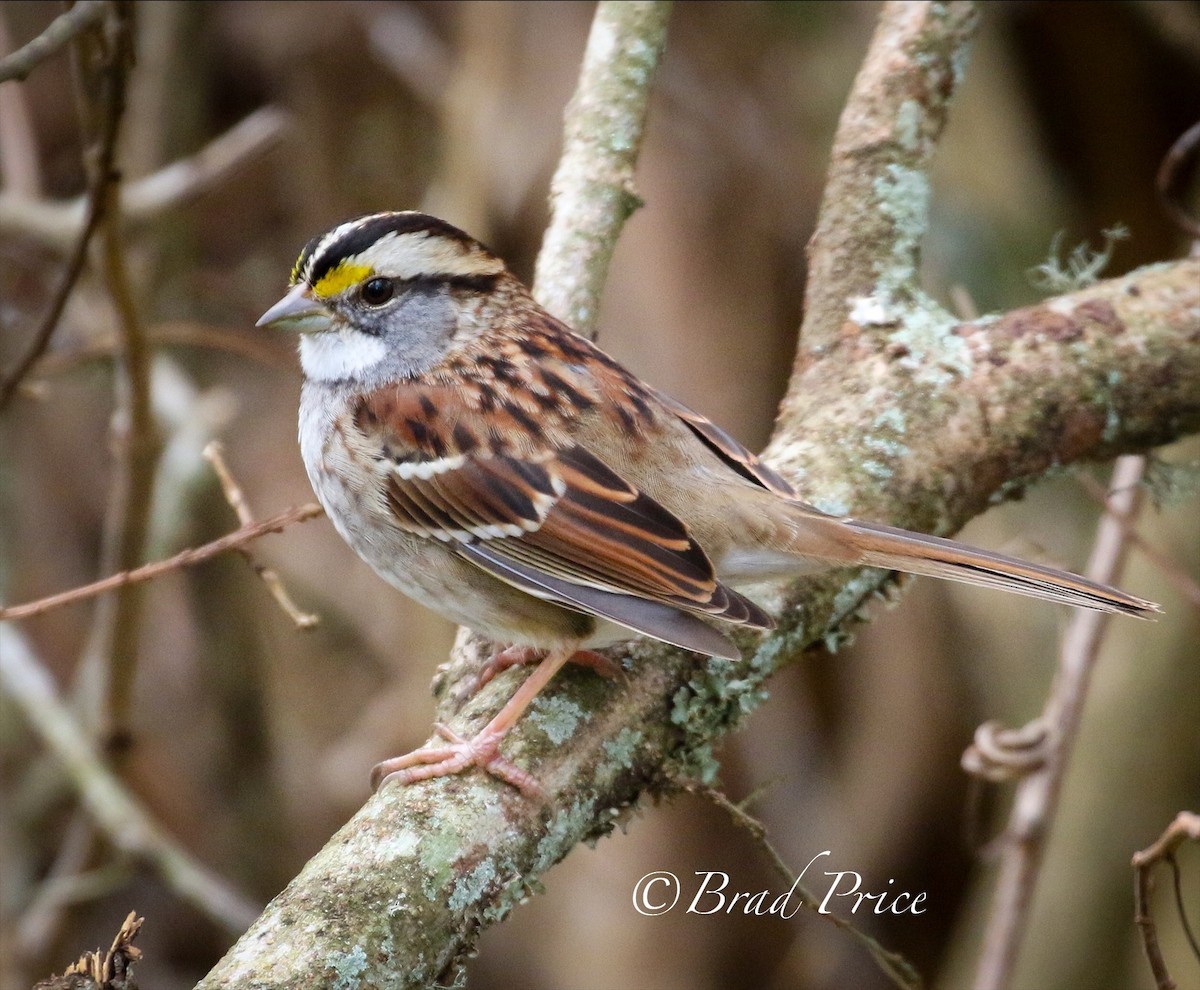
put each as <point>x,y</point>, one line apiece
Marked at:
<point>459,754</point>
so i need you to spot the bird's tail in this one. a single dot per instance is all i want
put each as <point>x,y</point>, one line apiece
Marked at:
<point>900,550</point>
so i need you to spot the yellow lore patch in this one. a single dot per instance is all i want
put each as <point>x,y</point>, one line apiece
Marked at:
<point>339,279</point>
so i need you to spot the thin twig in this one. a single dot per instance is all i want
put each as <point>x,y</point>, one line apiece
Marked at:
<point>1178,167</point>
<point>1036,801</point>
<point>214,453</point>
<point>1184,583</point>
<point>592,193</point>
<point>61,31</point>
<point>148,572</point>
<point>111,655</point>
<point>100,178</point>
<point>898,969</point>
<point>1185,827</point>
<point>128,825</point>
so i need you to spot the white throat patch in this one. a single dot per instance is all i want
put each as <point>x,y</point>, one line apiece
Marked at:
<point>337,355</point>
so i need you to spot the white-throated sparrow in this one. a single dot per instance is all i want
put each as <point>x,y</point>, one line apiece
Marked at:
<point>507,473</point>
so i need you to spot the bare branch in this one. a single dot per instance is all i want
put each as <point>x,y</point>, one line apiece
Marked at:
<point>153,196</point>
<point>127,824</point>
<point>1036,802</point>
<point>101,177</point>
<point>214,452</point>
<point>148,572</point>
<point>1185,827</point>
<point>62,30</point>
<point>592,192</point>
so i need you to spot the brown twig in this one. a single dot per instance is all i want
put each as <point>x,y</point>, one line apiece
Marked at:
<point>100,178</point>
<point>1179,165</point>
<point>1036,801</point>
<point>1185,827</point>
<point>1184,583</point>
<point>898,969</point>
<point>104,62</point>
<point>61,31</point>
<point>214,453</point>
<point>148,572</point>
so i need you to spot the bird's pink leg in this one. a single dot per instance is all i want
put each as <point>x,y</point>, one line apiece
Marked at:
<point>483,750</point>
<point>515,656</point>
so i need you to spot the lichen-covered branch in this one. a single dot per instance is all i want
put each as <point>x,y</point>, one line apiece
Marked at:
<point>875,204</point>
<point>592,192</point>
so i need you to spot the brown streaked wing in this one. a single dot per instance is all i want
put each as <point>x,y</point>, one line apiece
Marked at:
<point>748,465</point>
<point>567,516</point>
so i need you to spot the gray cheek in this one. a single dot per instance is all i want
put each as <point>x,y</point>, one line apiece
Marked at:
<point>418,329</point>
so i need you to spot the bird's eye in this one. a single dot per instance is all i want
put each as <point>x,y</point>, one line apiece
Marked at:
<point>377,291</point>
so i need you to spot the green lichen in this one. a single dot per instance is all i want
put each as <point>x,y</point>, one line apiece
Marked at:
<point>876,469</point>
<point>891,420</point>
<point>902,194</point>
<point>853,593</point>
<point>711,703</point>
<point>715,697</point>
<point>698,763</point>
<point>399,845</point>
<point>470,887</point>
<point>556,716</point>
<point>908,124</point>
<point>1081,268</point>
<point>783,645</point>
<point>437,854</point>
<point>621,749</point>
<point>348,968</point>
<point>931,350</point>
<point>923,331</point>
<point>567,827</point>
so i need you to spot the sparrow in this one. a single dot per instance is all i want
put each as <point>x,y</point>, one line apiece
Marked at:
<point>507,473</point>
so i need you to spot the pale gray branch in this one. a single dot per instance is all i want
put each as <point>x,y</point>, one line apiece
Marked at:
<point>123,819</point>
<point>592,192</point>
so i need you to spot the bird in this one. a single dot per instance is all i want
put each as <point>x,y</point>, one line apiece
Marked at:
<point>507,473</point>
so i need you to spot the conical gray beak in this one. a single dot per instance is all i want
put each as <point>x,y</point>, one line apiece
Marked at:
<point>297,311</point>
